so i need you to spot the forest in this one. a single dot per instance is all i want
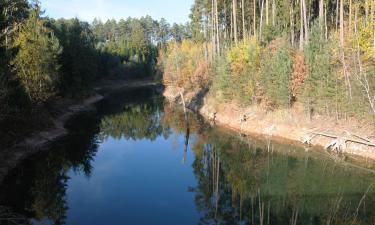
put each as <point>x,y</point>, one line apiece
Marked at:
<point>273,53</point>
<point>43,58</point>
<point>318,55</point>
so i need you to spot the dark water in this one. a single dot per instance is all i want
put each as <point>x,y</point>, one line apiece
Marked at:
<point>138,162</point>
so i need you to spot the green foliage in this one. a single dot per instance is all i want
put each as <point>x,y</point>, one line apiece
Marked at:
<point>185,64</point>
<point>235,75</point>
<point>269,33</point>
<point>197,20</point>
<point>129,45</point>
<point>319,90</point>
<point>36,62</point>
<point>137,121</point>
<point>276,69</point>
<point>287,182</point>
<point>79,59</point>
<point>12,97</point>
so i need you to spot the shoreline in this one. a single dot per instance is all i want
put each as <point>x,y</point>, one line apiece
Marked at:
<point>284,126</point>
<point>40,140</point>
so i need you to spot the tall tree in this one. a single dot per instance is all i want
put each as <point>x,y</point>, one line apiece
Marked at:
<point>36,62</point>
<point>78,59</point>
<point>234,9</point>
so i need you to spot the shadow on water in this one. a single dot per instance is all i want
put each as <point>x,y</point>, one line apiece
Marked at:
<point>238,180</point>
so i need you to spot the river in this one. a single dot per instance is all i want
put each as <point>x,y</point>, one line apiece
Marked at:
<point>139,161</point>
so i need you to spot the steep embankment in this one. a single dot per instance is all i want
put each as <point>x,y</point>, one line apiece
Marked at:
<point>289,125</point>
<point>40,139</point>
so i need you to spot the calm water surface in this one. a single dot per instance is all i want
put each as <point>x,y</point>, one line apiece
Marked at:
<point>137,161</point>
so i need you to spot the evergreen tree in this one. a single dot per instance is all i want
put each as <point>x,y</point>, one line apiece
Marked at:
<point>276,76</point>
<point>79,58</point>
<point>319,86</point>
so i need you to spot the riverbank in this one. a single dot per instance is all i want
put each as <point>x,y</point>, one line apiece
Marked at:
<point>288,126</point>
<point>39,140</point>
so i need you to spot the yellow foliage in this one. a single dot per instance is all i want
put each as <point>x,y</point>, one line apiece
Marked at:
<point>244,56</point>
<point>366,40</point>
<point>185,64</point>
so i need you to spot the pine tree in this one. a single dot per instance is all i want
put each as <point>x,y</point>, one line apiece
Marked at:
<point>320,85</point>
<point>276,76</point>
<point>78,59</point>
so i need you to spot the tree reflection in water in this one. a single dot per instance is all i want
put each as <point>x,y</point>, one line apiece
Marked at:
<point>239,181</point>
<point>37,188</point>
<point>287,186</point>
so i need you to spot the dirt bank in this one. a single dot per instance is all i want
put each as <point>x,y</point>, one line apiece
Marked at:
<point>10,157</point>
<point>290,126</point>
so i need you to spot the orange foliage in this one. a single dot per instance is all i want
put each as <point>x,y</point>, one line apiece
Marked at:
<point>185,64</point>
<point>298,74</point>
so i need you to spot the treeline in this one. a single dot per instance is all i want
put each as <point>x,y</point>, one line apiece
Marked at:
<point>42,57</point>
<point>276,53</point>
<point>135,41</point>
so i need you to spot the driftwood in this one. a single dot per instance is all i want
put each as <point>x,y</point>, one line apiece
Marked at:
<point>340,142</point>
<point>183,101</point>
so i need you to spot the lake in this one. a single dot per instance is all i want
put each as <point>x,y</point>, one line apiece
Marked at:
<point>139,161</point>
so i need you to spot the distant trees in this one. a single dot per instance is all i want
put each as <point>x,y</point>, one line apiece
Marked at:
<point>134,43</point>
<point>43,57</point>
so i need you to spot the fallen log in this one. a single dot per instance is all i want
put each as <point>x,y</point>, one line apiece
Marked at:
<point>345,139</point>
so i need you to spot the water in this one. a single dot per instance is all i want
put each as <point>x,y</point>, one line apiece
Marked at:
<point>137,161</point>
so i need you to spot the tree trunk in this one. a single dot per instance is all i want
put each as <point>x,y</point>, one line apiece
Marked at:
<point>267,14</point>
<point>366,9</point>
<point>255,17</point>
<point>301,34</point>
<point>231,25</point>
<point>325,22</point>
<point>342,24</point>
<point>273,12</point>
<point>337,14</point>
<point>225,16</point>
<point>217,29</point>
<point>373,21</point>
<point>350,17</point>
<point>235,20</point>
<point>261,21</point>
<point>292,24</point>
<point>243,19</point>
<point>305,20</point>
<point>321,12</point>
<point>213,36</point>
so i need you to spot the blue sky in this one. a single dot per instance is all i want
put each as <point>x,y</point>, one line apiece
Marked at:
<point>172,10</point>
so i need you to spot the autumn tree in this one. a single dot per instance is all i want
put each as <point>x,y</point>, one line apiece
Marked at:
<point>36,62</point>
